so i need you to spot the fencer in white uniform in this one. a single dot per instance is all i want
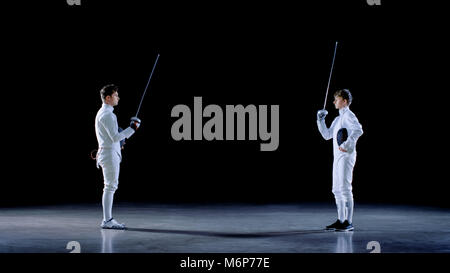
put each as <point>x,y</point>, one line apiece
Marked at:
<point>344,157</point>
<point>109,150</point>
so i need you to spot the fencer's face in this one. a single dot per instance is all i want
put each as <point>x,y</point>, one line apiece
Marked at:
<point>339,102</point>
<point>113,100</point>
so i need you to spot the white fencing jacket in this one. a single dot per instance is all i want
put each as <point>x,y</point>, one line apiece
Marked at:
<point>107,130</point>
<point>348,120</point>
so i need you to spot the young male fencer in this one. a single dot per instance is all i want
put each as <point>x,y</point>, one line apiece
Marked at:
<point>345,131</point>
<point>109,152</point>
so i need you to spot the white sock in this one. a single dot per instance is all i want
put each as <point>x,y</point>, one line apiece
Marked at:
<point>107,202</point>
<point>340,204</point>
<point>349,210</point>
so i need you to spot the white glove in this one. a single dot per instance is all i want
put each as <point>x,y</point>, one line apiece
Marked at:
<point>321,114</point>
<point>135,123</point>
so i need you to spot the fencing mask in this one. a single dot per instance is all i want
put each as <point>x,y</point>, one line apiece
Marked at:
<point>342,136</point>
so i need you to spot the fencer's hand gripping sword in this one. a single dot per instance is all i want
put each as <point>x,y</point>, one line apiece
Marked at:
<point>329,79</point>
<point>145,91</point>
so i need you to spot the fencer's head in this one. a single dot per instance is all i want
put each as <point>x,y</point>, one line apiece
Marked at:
<point>342,98</point>
<point>110,94</point>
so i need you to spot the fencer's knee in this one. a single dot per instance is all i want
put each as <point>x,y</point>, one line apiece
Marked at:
<point>347,196</point>
<point>338,196</point>
<point>337,193</point>
<point>110,188</point>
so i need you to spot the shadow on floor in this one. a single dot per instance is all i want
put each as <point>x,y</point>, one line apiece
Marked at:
<point>229,234</point>
<point>344,243</point>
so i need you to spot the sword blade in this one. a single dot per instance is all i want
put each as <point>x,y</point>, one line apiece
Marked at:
<point>148,83</point>
<point>329,78</point>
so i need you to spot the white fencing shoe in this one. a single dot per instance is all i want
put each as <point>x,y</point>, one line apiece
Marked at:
<point>112,224</point>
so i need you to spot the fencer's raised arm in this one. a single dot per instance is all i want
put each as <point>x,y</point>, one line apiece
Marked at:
<point>109,122</point>
<point>327,133</point>
<point>355,131</point>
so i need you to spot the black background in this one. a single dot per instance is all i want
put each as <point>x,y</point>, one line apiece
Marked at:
<point>57,57</point>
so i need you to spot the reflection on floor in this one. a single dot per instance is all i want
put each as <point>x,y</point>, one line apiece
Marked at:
<point>228,228</point>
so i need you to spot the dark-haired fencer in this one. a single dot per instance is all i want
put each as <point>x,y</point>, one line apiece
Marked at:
<point>345,131</point>
<point>109,150</point>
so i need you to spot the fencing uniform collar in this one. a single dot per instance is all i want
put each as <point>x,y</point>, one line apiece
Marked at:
<point>108,107</point>
<point>343,110</point>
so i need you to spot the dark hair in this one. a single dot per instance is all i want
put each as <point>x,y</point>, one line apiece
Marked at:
<point>344,94</point>
<point>108,90</point>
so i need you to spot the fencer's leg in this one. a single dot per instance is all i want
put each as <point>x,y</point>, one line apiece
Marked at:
<point>107,202</point>
<point>349,210</point>
<point>110,168</point>
<point>346,173</point>
<point>109,222</point>
<point>340,202</point>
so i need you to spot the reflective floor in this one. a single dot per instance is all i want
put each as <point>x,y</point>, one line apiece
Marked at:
<point>236,228</point>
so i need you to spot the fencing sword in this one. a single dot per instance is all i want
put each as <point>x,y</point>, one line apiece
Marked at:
<point>135,118</point>
<point>329,78</point>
